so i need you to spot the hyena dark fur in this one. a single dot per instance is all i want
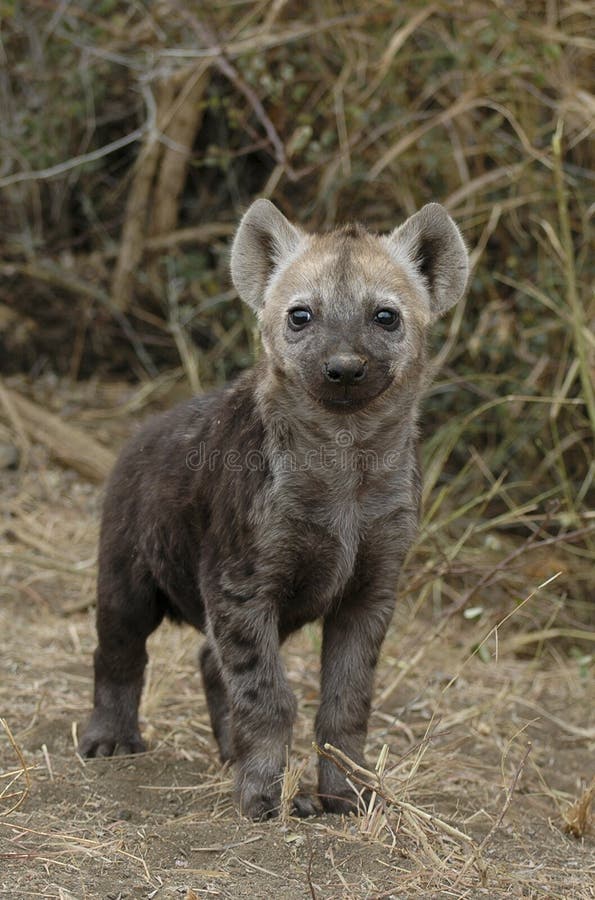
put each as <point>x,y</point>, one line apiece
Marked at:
<point>291,495</point>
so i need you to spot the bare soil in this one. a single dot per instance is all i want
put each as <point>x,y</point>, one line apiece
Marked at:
<point>498,747</point>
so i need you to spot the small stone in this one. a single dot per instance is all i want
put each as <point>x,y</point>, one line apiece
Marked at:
<point>124,814</point>
<point>9,456</point>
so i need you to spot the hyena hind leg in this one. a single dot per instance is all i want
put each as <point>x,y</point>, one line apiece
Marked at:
<point>124,623</point>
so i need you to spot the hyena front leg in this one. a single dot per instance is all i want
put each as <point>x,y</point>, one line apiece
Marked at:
<point>262,704</point>
<point>352,636</point>
<point>217,699</point>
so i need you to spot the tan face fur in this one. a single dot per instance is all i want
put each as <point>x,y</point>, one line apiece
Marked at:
<point>363,303</point>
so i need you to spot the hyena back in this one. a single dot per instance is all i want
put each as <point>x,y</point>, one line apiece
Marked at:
<point>289,496</point>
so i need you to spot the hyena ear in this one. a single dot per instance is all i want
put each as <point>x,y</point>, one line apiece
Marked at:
<point>433,243</point>
<point>264,238</point>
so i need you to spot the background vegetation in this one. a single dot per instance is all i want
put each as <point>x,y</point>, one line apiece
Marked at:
<point>133,135</point>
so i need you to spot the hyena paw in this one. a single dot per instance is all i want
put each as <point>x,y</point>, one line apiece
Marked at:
<point>337,797</point>
<point>303,807</point>
<point>259,797</point>
<point>259,805</point>
<point>225,747</point>
<point>349,802</point>
<point>258,792</point>
<point>104,739</point>
<point>265,805</point>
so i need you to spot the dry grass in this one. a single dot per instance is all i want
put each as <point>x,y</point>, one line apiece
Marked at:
<point>579,817</point>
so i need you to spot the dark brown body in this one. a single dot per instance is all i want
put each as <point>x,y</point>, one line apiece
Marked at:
<point>247,513</point>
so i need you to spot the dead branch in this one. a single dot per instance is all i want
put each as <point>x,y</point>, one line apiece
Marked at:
<point>66,443</point>
<point>183,125</point>
<point>196,234</point>
<point>137,204</point>
<point>160,171</point>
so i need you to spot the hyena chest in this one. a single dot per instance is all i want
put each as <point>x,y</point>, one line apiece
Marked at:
<point>320,525</point>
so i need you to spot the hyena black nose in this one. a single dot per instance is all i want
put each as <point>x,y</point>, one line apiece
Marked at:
<point>345,369</point>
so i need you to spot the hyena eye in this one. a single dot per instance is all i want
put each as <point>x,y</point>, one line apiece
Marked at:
<point>389,319</point>
<point>298,318</point>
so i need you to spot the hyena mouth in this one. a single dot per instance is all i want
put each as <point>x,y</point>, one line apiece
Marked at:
<point>347,402</point>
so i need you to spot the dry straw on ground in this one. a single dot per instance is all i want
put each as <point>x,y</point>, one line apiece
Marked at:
<point>579,816</point>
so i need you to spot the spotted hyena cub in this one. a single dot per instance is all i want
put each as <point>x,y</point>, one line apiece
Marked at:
<point>288,496</point>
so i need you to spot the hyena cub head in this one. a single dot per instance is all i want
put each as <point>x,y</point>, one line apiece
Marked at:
<point>344,315</point>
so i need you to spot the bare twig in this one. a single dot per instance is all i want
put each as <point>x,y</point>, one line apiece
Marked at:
<point>74,162</point>
<point>476,855</point>
<point>221,62</point>
<point>373,782</point>
<point>311,888</point>
<point>24,768</point>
